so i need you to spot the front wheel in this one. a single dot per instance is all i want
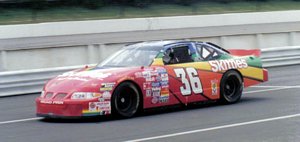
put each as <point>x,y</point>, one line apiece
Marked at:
<point>231,87</point>
<point>125,100</point>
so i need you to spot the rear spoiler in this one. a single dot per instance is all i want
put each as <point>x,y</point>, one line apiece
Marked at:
<point>245,52</point>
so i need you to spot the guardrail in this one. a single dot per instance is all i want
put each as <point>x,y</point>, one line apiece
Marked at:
<point>281,56</point>
<point>32,81</point>
<point>28,81</point>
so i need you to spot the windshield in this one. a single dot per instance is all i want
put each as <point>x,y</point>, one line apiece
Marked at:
<point>129,57</point>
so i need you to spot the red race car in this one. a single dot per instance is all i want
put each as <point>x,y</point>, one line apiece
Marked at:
<point>152,74</point>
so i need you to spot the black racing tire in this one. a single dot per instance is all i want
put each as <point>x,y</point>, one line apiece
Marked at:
<point>125,100</point>
<point>231,87</point>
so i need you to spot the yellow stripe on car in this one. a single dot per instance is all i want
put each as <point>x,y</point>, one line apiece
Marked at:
<point>250,72</point>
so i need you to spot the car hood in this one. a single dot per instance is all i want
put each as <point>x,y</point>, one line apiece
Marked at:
<point>87,79</point>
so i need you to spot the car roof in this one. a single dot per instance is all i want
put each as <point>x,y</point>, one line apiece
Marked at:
<point>155,45</point>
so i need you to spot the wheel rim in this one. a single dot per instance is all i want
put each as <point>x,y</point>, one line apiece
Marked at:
<point>231,87</point>
<point>125,100</point>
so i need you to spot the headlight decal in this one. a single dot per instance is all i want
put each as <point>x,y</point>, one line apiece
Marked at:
<point>84,95</point>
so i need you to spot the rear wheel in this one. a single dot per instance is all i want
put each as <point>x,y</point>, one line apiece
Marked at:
<point>125,100</point>
<point>231,87</point>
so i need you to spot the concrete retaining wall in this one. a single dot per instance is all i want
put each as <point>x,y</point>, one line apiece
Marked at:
<point>46,45</point>
<point>145,24</point>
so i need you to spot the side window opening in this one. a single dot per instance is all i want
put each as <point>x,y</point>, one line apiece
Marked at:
<point>215,54</point>
<point>177,55</point>
<point>206,53</point>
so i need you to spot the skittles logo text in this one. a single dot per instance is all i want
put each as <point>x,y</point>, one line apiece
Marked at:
<point>221,65</point>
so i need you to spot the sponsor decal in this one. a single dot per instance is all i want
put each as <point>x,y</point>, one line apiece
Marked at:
<point>106,95</point>
<point>149,79</point>
<point>52,102</point>
<point>156,89</point>
<point>97,95</point>
<point>155,100</point>
<point>158,78</point>
<point>164,84</point>
<point>153,73</point>
<point>84,74</point>
<point>147,85</point>
<point>46,102</point>
<point>163,99</point>
<point>99,106</point>
<point>161,70</point>
<point>72,78</point>
<point>149,74</point>
<point>148,93</point>
<point>222,65</point>
<point>92,106</point>
<point>101,99</point>
<point>107,86</point>
<point>164,77</point>
<point>104,106</point>
<point>146,74</point>
<point>58,102</point>
<point>164,92</point>
<point>214,87</point>
<point>89,112</point>
<point>156,93</point>
<point>155,84</point>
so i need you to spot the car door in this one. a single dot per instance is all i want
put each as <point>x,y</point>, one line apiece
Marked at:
<point>190,75</point>
<point>184,80</point>
<point>210,79</point>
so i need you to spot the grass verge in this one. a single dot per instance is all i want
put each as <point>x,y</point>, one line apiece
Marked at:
<point>24,16</point>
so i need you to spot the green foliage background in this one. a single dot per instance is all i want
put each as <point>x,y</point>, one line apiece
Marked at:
<point>36,11</point>
<point>94,4</point>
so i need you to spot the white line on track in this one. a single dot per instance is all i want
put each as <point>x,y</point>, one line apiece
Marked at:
<point>275,86</point>
<point>20,120</point>
<point>216,128</point>
<point>265,90</point>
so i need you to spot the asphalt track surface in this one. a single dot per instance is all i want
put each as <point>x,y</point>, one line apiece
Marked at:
<point>269,112</point>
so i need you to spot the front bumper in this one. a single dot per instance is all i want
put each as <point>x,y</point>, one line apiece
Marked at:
<point>68,109</point>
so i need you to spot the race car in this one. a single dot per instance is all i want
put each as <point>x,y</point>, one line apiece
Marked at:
<point>149,75</point>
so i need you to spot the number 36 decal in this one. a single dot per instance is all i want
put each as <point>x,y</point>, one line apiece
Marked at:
<point>194,83</point>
